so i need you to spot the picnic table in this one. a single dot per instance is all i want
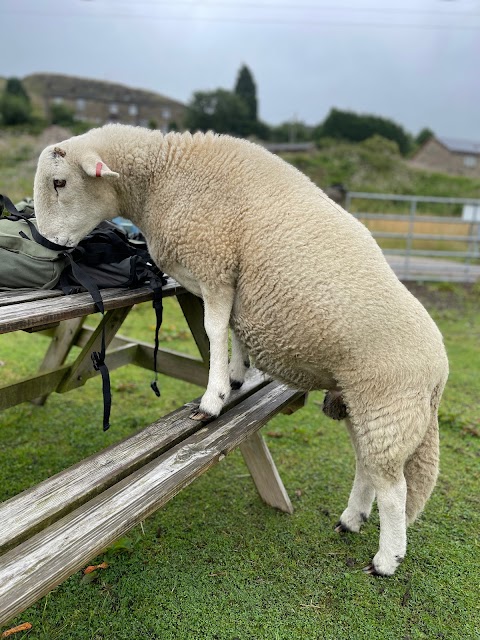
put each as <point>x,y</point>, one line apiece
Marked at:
<point>55,528</point>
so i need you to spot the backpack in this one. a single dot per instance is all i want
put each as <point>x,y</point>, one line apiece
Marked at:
<point>25,264</point>
<point>106,257</point>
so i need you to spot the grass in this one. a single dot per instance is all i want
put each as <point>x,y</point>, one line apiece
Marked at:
<point>376,166</point>
<point>18,155</point>
<point>217,564</point>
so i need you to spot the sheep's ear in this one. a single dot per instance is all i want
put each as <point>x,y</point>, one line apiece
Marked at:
<point>96,168</point>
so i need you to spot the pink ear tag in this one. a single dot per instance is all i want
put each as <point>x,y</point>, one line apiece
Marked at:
<point>98,170</point>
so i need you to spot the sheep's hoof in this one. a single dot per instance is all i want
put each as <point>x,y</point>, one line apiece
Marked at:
<point>236,384</point>
<point>201,416</point>
<point>342,528</point>
<point>372,571</point>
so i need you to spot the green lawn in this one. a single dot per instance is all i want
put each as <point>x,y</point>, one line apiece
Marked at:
<point>216,563</point>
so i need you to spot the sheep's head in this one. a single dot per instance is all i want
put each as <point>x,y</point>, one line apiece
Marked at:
<point>73,192</point>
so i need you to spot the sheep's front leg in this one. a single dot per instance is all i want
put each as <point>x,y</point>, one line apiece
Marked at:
<point>239,362</point>
<point>218,308</point>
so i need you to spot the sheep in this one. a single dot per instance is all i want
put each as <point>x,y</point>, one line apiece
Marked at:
<point>303,285</point>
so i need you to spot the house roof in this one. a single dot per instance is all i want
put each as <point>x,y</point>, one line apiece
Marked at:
<point>71,87</point>
<point>282,147</point>
<point>460,146</point>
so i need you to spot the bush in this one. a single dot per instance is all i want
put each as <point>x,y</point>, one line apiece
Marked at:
<point>62,114</point>
<point>354,127</point>
<point>14,110</point>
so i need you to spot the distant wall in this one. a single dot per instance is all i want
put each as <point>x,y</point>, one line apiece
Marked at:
<point>434,156</point>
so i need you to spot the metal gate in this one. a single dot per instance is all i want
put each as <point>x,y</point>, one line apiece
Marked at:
<point>424,238</point>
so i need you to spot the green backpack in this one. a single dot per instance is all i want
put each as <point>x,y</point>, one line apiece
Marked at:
<point>24,264</point>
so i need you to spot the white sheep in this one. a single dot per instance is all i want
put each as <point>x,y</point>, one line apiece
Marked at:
<point>301,282</point>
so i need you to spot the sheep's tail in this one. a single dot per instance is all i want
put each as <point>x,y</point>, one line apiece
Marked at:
<point>421,469</point>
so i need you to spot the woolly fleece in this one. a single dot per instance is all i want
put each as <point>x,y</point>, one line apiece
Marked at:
<point>315,302</point>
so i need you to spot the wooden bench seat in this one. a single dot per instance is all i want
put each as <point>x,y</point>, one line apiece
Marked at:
<point>70,518</point>
<point>55,528</point>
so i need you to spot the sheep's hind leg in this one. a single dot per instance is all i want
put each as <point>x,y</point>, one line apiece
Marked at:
<point>218,307</point>
<point>239,362</point>
<point>362,493</point>
<point>387,483</point>
<point>391,500</point>
<point>359,503</point>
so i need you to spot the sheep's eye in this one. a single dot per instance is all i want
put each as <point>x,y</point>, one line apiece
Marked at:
<point>59,183</point>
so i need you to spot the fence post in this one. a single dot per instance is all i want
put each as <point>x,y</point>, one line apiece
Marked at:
<point>472,250</point>
<point>348,199</point>
<point>411,227</point>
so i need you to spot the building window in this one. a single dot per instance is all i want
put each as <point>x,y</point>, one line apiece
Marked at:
<point>58,100</point>
<point>81,104</point>
<point>133,110</point>
<point>113,109</point>
<point>470,161</point>
<point>166,113</point>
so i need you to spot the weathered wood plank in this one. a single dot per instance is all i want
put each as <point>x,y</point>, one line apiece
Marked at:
<point>114,359</point>
<point>31,387</point>
<point>60,345</point>
<point>299,403</point>
<point>82,369</point>
<point>27,295</point>
<point>171,363</point>
<point>49,381</point>
<point>35,567</point>
<point>264,473</point>
<point>193,311</point>
<point>40,312</point>
<point>44,327</point>
<point>35,508</point>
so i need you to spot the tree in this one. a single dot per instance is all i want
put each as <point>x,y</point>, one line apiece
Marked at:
<point>62,114</point>
<point>424,135</point>
<point>14,110</point>
<point>15,107</point>
<point>348,125</point>
<point>245,88</point>
<point>15,87</point>
<point>221,111</point>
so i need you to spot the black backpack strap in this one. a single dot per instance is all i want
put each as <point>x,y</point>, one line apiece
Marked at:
<point>148,272</point>
<point>37,236</point>
<point>158,307</point>
<point>98,357</point>
<point>6,203</point>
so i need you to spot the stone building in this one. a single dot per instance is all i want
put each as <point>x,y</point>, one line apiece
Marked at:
<point>101,102</point>
<point>449,155</point>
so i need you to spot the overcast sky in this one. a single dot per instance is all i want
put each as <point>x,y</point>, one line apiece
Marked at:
<point>416,61</point>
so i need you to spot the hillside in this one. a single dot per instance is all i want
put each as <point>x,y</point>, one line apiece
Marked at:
<point>376,166</point>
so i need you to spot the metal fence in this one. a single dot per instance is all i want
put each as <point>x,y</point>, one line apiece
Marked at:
<point>418,244</point>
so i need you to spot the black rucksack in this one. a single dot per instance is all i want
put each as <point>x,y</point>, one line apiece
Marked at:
<point>105,258</point>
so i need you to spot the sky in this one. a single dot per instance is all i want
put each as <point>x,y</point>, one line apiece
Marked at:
<point>414,61</point>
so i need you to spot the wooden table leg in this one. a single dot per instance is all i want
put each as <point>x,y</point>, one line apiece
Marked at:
<point>264,473</point>
<point>83,368</point>
<point>192,308</point>
<point>62,341</point>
